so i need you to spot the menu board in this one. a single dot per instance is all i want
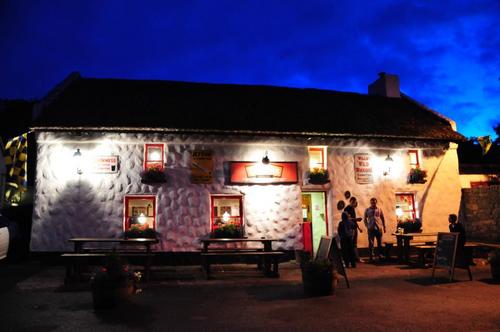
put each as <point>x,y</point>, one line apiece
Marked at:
<point>324,248</point>
<point>363,168</point>
<point>446,248</point>
<point>201,166</point>
<point>336,258</point>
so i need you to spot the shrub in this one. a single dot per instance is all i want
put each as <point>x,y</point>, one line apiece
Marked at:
<point>318,176</point>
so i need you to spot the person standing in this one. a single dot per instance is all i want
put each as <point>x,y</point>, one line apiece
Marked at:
<point>375,223</point>
<point>457,227</point>
<point>346,233</point>
<point>351,211</point>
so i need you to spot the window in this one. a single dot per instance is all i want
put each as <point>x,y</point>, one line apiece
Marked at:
<point>154,156</point>
<point>140,210</point>
<point>317,157</point>
<point>405,207</point>
<point>414,158</point>
<point>226,210</point>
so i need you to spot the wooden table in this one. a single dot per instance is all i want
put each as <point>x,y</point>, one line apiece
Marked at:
<point>146,243</point>
<point>264,253</point>
<point>404,244</point>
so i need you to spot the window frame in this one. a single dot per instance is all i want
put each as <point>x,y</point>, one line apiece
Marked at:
<point>417,157</point>
<point>413,211</point>
<point>322,150</point>
<point>146,151</point>
<point>213,197</point>
<point>126,217</point>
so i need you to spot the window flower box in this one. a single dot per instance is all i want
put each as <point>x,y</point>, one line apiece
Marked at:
<point>153,174</point>
<point>137,231</point>
<point>417,175</point>
<point>318,176</point>
<point>227,231</point>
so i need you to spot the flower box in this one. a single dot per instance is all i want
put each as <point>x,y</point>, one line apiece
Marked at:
<point>417,175</point>
<point>318,176</point>
<point>153,174</point>
<point>137,231</point>
<point>229,231</point>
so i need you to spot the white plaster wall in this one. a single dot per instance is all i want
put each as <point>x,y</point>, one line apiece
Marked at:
<point>437,198</point>
<point>71,205</point>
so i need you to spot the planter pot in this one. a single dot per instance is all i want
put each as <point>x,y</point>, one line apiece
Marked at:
<point>318,283</point>
<point>110,293</point>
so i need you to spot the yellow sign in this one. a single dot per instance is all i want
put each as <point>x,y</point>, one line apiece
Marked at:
<point>201,166</point>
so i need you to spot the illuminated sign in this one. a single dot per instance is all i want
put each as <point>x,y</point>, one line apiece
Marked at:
<point>246,172</point>
<point>363,169</point>
<point>105,164</point>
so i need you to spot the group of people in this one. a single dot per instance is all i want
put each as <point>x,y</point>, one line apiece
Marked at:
<point>348,230</point>
<point>374,221</point>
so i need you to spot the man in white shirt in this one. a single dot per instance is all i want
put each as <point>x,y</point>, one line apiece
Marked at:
<point>375,222</point>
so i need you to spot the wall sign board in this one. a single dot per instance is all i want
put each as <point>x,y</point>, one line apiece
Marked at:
<point>105,164</point>
<point>363,168</point>
<point>247,172</point>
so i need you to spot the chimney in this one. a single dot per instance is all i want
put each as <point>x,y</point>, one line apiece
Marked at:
<point>386,85</point>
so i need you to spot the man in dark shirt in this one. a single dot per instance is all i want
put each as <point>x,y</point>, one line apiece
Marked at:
<point>457,227</point>
<point>351,211</point>
<point>346,233</point>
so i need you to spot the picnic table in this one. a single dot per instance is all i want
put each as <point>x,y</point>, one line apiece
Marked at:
<point>136,247</point>
<point>265,253</point>
<point>404,243</point>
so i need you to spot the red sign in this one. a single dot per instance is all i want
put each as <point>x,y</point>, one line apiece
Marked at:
<point>248,172</point>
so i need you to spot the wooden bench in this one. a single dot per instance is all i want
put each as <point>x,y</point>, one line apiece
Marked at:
<point>267,259</point>
<point>429,248</point>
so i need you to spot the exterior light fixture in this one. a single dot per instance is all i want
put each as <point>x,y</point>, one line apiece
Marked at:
<point>265,159</point>
<point>77,156</point>
<point>388,165</point>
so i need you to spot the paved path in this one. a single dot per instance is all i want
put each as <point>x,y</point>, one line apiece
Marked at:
<point>382,298</point>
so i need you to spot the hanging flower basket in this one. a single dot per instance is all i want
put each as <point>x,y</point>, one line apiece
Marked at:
<point>417,175</point>
<point>318,176</point>
<point>153,174</point>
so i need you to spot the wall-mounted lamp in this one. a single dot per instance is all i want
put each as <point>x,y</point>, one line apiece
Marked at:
<point>77,156</point>
<point>388,165</point>
<point>265,159</point>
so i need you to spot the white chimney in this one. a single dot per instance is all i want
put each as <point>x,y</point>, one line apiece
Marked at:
<point>386,85</point>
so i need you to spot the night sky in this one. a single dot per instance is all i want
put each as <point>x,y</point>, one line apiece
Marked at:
<point>447,53</point>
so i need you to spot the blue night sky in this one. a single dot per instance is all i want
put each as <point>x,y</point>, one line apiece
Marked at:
<point>447,53</point>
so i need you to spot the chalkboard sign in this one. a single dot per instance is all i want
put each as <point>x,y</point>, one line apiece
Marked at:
<point>336,259</point>
<point>324,248</point>
<point>445,254</point>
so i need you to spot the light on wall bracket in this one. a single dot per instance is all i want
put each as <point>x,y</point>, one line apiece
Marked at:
<point>265,159</point>
<point>77,156</point>
<point>388,165</point>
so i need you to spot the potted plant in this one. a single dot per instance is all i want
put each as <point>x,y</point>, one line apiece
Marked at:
<point>318,277</point>
<point>318,176</point>
<point>494,260</point>
<point>139,231</point>
<point>417,175</point>
<point>227,231</point>
<point>113,284</point>
<point>154,174</point>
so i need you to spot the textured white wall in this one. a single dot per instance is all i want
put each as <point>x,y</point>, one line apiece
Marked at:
<point>68,205</point>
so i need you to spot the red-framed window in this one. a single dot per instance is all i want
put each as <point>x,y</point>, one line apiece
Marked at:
<point>139,210</point>
<point>154,156</point>
<point>479,184</point>
<point>405,207</point>
<point>317,157</point>
<point>414,158</point>
<point>226,209</point>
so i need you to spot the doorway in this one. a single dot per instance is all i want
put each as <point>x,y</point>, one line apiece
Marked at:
<point>314,218</point>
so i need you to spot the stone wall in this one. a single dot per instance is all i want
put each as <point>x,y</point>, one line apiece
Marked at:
<point>480,213</point>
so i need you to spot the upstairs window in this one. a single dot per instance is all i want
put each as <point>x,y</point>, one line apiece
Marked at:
<point>414,159</point>
<point>317,157</point>
<point>154,156</point>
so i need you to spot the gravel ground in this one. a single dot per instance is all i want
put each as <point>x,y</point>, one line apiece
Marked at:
<point>382,297</point>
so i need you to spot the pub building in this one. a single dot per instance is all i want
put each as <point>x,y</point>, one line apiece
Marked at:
<point>186,159</point>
